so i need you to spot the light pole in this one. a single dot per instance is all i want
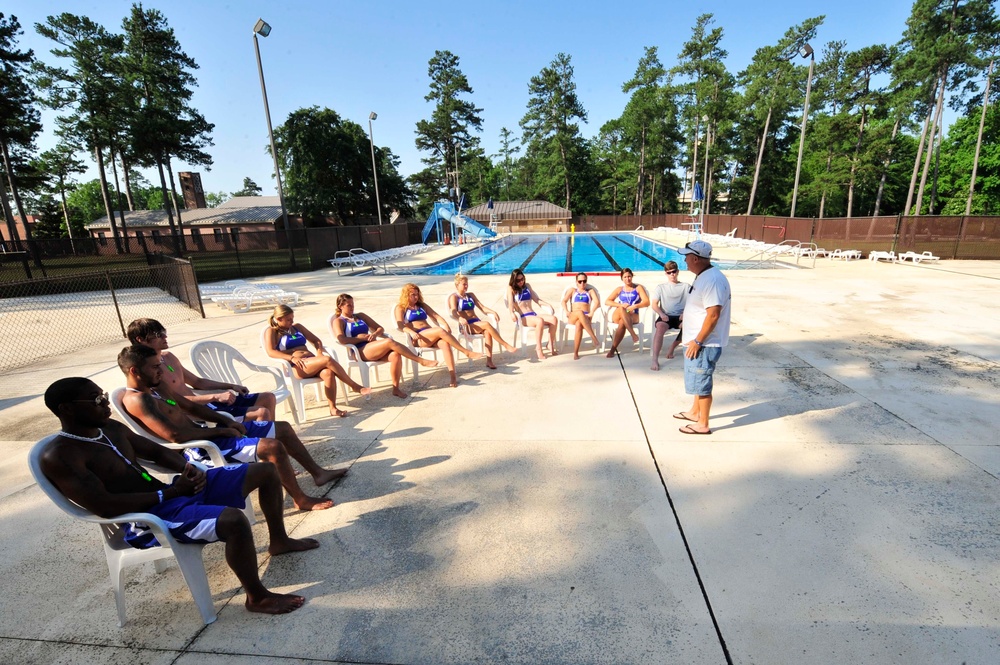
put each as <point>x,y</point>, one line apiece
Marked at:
<point>371,139</point>
<point>805,51</point>
<point>263,29</point>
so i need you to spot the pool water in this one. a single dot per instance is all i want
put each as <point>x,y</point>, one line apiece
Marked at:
<point>563,252</point>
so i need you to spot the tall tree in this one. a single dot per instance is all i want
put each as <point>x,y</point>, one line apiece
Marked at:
<point>59,165</point>
<point>250,188</point>
<point>83,88</point>
<point>165,124</point>
<point>328,171</point>
<point>645,114</point>
<point>550,127</point>
<point>449,133</point>
<point>19,119</point>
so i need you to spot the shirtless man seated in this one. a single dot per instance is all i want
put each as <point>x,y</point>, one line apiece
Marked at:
<point>166,415</point>
<point>232,398</point>
<point>94,463</point>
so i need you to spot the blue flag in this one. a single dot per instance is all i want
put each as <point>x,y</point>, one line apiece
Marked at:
<point>462,205</point>
<point>489,205</point>
<point>698,195</point>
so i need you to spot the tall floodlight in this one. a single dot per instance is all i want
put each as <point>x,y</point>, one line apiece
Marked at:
<point>805,51</point>
<point>263,29</point>
<point>371,139</point>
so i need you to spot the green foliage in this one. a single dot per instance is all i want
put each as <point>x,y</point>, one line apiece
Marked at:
<point>957,153</point>
<point>250,188</point>
<point>327,167</point>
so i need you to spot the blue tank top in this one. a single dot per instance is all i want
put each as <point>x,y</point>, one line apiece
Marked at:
<point>465,304</point>
<point>417,314</point>
<point>355,328</point>
<point>525,294</point>
<point>628,297</point>
<point>291,340</point>
<point>581,296</point>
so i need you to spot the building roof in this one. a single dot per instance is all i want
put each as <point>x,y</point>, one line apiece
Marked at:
<point>517,210</point>
<point>259,214</point>
<point>251,202</point>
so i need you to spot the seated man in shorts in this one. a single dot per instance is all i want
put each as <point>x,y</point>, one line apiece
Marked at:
<point>166,415</point>
<point>232,398</point>
<point>668,305</point>
<point>94,463</point>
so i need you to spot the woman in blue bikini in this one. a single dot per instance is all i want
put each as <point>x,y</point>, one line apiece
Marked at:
<point>363,332</point>
<point>580,304</point>
<point>286,340</point>
<point>520,297</point>
<point>626,300</point>
<point>463,308</point>
<point>414,317</point>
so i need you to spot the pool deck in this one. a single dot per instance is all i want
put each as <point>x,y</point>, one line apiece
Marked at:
<point>844,511</point>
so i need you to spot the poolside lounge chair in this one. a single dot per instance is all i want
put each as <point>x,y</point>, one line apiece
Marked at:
<point>876,256</point>
<point>120,554</point>
<point>917,258</point>
<point>845,254</point>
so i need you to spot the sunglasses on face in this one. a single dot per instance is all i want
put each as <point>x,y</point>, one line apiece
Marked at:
<point>671,272</point>
<point>159,335</point>
<point>99,400</point>
<point>581,281</point>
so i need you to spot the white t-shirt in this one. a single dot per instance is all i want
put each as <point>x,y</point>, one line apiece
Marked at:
<point>710,289</point>
<point>671,297</point>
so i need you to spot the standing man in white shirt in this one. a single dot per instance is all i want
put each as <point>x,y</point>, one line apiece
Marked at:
<point>706,332</point>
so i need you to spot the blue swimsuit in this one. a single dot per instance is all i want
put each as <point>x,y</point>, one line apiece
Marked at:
<point>291,340</point>
<point>467,304</point>
<point>417,314</point>
<point>355,328</point>
<point>581,296</point>
<point>629,298</point>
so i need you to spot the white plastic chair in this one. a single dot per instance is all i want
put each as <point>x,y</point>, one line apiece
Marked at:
<point>523,334</point>
<point>598,319</point>
<point>422,351</point>
<point>297,384</point>
<point>120,554</point>
<point>470,338</point>
<point>353,357</point>
<point>217,361</point>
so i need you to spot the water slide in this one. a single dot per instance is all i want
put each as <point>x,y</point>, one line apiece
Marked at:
<point>445,212</point>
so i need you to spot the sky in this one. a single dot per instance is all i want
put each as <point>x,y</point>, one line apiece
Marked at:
<point>360,57</point>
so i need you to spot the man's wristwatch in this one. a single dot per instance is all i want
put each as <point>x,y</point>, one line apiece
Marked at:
<point>698,343</point>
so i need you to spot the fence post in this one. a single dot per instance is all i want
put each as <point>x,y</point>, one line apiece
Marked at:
<point>114,299</point>
<point>895,234</point>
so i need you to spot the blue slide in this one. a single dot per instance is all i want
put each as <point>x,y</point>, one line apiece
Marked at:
<point>444,211</point>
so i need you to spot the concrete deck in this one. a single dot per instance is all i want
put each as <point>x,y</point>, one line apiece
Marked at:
<point>844,510</point>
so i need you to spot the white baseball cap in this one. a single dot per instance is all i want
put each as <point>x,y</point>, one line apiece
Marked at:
<point>699,248</point>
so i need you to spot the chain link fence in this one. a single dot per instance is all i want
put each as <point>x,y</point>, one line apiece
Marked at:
<point>51,316</point>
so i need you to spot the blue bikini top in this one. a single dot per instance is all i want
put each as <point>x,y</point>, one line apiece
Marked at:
<point>581,296</point>
<point>291,340</point>
<point>628,297</point>
<point>525,294</point>
<point>466,304</point>
<point>355,328</point>
<point>417,314</point>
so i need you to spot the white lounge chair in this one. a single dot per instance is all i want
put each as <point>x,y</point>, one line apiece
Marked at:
<point>917,258</point>
<point>876,256</point>
<point>120,554</point>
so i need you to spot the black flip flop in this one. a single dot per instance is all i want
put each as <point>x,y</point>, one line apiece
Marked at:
<point>687,430</point>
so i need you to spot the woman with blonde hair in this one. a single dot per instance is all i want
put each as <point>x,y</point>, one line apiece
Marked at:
<point>286,340</point>
<point>463,306</point>
<point>413,316</point>
<point>367,336</point>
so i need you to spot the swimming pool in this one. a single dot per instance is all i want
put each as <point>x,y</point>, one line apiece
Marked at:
<point>562,252</point>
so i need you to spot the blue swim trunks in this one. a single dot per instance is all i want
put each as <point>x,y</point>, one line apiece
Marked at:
<point>238,408</point>
<point>236,449</point>
<point>698,372</point>
<point>192,519</point>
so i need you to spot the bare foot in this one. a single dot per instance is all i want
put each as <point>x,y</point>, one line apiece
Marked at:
<point>334,411</point>
<point>362,390</point>
<point>655,366</point>
<point>611,353</point>
<point>425,362</point>
<point>454,380</point>
<point>510,349</point>
<point>398,393</point>
<point>328,476</point>
<point>475,355</point>
<point>635,337</point>
<point>576,356</point>
<point>286,545</point>
<point>275,603</point>
<point>670,355</point>
<point>489,363</point>
<point>312,503</point>
<point>554,352</point>
<point>541,356</point>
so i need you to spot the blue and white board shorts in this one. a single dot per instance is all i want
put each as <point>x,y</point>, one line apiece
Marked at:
<point>236,449</point>
<point>239,407</point>
<point>192,519</point>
